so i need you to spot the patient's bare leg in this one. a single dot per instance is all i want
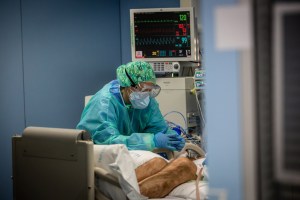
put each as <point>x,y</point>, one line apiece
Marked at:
<point>150,168</point>
<point>175,173</point>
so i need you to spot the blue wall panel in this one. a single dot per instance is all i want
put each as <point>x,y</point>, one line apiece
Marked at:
<point>71,49</point>
<point>11,88</point>
<point>222,108</point>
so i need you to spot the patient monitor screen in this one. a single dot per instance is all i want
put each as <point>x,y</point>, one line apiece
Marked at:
<point>162,34</point>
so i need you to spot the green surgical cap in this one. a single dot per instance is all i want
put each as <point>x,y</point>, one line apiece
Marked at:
<point>138,72</point>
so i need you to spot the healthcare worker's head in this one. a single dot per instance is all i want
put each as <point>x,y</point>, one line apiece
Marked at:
<point>138,83</point>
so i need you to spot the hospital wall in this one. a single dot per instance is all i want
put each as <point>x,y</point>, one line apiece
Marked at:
<point>54,52</point>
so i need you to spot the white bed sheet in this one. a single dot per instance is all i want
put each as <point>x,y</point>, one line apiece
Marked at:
<point>120,162</point>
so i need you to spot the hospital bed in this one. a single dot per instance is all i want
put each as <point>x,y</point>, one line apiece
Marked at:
<point>53,163</point>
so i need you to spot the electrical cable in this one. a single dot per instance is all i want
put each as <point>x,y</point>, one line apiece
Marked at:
<point>194,139</point>
<point>200,109</point>
<point>185,122</point>
<point>203,138</point>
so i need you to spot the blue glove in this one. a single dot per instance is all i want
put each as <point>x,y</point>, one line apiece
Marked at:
<point>168,141</point>
<point>179,146</point>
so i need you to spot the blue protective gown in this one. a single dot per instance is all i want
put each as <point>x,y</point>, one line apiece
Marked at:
<point>110,121</point>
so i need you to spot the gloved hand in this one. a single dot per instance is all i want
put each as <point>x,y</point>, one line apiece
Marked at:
<point>179,146</point>
<point>168,141</point>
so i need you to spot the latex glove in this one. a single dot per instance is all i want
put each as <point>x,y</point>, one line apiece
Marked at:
<point>168,141</point>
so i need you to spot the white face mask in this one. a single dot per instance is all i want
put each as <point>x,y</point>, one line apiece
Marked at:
<point>139,100</point>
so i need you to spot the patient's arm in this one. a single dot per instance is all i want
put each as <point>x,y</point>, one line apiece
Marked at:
<point>163,182</point>
<point>150,168</point>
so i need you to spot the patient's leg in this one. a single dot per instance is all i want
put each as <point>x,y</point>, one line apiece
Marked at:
<point>175,173</point>
<point>149,168</point>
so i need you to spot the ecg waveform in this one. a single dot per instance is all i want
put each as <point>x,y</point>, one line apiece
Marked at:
<point>162,41</point>
<point>155,41</point>
<point>161,17</point>
<point>179,29</point>
<point>155,31</point>
<point>156,21</point>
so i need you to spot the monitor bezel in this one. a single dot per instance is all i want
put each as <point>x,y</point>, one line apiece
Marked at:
<point>194,39</point>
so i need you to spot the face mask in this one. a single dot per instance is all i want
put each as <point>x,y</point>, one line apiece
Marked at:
<point>139,100</point>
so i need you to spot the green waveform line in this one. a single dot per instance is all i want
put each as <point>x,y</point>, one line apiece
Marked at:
<point>157,21</point>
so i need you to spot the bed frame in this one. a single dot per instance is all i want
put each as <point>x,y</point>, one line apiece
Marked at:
<point>41,157</point>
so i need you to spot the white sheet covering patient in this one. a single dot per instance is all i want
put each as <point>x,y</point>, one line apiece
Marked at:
<point>117,160</point>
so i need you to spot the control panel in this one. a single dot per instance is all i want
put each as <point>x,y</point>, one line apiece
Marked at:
<point>165,66</point>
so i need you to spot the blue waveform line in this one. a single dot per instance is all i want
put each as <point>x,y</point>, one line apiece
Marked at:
<point>155,41</point>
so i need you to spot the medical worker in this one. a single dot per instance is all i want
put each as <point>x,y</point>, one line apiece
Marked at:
<point>125,111</point>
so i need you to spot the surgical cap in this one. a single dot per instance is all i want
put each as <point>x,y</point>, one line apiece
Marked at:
<point>138,72</point>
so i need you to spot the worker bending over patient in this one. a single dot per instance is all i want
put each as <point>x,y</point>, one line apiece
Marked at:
<point>125,111</point>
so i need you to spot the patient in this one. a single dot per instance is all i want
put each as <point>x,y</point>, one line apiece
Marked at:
<point>125,111</point>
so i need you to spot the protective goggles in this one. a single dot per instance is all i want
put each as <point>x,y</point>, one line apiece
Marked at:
<point>153,89</point>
